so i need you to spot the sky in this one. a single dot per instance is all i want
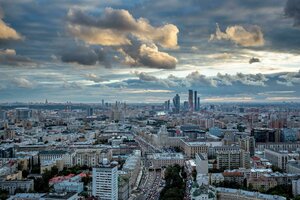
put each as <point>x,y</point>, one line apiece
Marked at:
<point>147,51</point>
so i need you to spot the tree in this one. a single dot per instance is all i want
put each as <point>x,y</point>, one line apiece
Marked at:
<point>25,173</point>
<point>3,194</point>
<point>194,174</point>
<point>276,169</point>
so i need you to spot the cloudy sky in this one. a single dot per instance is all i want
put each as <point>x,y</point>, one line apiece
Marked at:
<point>147,51</point>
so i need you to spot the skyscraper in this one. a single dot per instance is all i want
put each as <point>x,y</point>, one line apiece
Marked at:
<point>195,101</point>
<point>176,103</point>
<point>23,113</point>
<point>167,105</point>
<point>90,111</point>
<point>198,104</point>
<point>191,105</point>
<point>105,181</point>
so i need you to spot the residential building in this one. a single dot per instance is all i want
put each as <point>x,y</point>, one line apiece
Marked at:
<point>105,181</point>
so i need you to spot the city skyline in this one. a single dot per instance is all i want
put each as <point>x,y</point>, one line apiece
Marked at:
<point>145,51</point>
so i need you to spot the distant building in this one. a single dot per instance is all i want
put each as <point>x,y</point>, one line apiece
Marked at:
<point>191,104</point>
<point>195,101</point>
<point>176,103</point>
<point>266,135</point>
<point>23,113</point>
<point>90,111</point>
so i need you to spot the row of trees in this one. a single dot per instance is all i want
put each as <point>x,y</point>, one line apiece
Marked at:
<point>175,184</point>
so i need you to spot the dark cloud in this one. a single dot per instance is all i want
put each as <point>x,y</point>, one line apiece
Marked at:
<point>10,57</point>
<point>85,56</point>
<point>253,60</point>
<point>292,10</point>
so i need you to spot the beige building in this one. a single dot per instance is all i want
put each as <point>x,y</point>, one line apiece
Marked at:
<point>160,160</point>
<point>233,159</point>
<point>192,148</point>
<point>90,157</point>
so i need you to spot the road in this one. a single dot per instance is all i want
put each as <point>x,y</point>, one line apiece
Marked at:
<point>150,185</point>
<point>150,189</point>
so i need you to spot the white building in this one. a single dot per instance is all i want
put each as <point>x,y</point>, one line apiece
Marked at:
<point>68,186</point>
<point>296,187</point>
<point>277,158</point>
<point>201,163</point>
<point>105,182</point>
<point>53,155</point>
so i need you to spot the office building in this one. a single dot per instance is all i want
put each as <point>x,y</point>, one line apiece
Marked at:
<point>23,113</point>
<point>90,111</point>
<point>277,158</point>
<point>105,181</point>
<point>176,103</point>
<point>195,101</point>
<point>167,105</point>
<point>265,135</point>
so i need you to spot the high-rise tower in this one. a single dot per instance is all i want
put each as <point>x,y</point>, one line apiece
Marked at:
<point>191,105</point>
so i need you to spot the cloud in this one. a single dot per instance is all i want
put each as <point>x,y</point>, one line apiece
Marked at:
<point>195,78</point>
<point>6,32</point>
<point>292,10</point>
<point>149,78</point>
<point>289,79</point>
<point>10,57</point>
<point>253,60</point>
<point>148,55</point>
<point>245,79</point>
<point>22,82</point>
<point>145,77</point>
<point>250,37</point>
<point>71,85</point>
<point>95,78</point>
<point>84,55</point>
<point>115,27</point>
<point>220,56</point>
